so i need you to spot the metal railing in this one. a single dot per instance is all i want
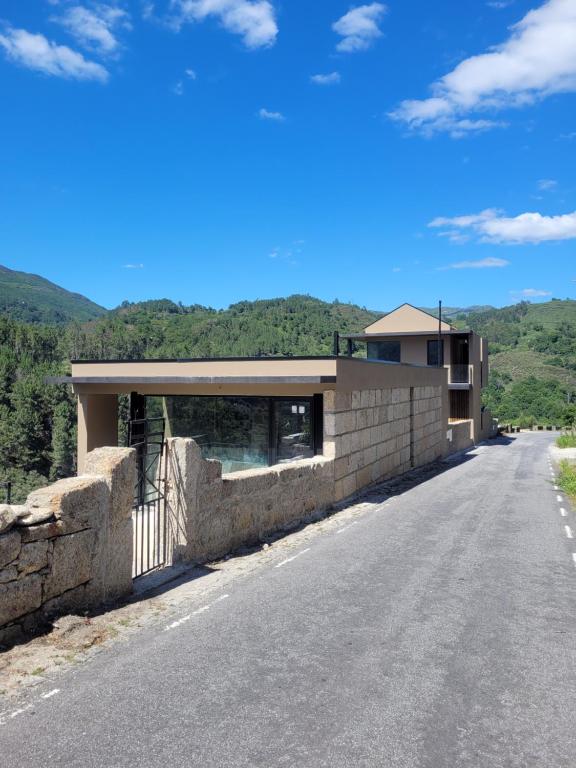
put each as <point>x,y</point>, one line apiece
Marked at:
<point>460,373</point>
<point>149,507</point>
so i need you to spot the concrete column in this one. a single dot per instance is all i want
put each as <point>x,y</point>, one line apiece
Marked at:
<point>97,424</point>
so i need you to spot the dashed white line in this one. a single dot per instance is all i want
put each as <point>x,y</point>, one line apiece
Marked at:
<point>556,488</point>
<point>4,716</point>
<point>574,557</point>
<point>569,533</point>
<point>558,497</point>
<point>50,694</point>
<point>203,609</point>
<point>563,512</point>
<point>289,559</point>
<point>346,527</point>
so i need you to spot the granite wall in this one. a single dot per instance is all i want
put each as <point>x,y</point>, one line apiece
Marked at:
<point>69,547</point>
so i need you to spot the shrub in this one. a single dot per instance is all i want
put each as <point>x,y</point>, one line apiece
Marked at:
<point>567,478</point>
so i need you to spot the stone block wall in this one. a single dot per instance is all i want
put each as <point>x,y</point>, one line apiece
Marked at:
<point>70,546</point>
<point>374,434</point>
<point>211,515</point>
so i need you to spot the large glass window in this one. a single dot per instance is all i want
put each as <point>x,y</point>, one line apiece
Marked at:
<point>292,430</point>
<point>384,350</point>
<point>245,432</point>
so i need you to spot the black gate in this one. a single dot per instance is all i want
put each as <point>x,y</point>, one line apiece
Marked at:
<point>149,510</point>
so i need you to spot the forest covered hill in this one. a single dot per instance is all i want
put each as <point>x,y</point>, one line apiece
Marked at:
<point>33,299</point>
<point>533,361</point>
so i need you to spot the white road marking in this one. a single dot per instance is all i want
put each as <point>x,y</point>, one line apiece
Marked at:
<point>563,512</point>
<point>204,608</point>
<point>555,487</point>
<point>289,559</point>
<point>558,497</point>
<point>346,527</point>
<point>574,557</point>
<point>568,532</point>
<point>20,711</point>
<point>4,715</point>
<point>50,694</point>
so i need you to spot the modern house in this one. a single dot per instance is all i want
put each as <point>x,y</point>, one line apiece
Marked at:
<point>408,335</point>
<point>231,449</point>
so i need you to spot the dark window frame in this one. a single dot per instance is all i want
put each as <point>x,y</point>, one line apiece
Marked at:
<point>395,358</point>
<point>429,357</point>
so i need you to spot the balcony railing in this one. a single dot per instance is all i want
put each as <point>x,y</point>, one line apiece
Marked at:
<point>460,373</point>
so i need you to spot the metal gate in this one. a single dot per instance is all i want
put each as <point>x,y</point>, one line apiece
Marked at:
<point>149,509</point>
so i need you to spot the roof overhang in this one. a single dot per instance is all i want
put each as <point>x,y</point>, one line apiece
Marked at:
<point>242,376</point>
<point>396,334</point>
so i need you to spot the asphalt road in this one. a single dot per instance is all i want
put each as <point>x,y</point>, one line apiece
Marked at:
<point>436,631</point>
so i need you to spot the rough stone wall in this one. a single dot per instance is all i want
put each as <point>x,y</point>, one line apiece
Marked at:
<point>70,546</point>
<point>211,515</point>
<point>374,434</point>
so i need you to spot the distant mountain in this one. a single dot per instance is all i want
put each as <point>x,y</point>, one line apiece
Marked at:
<point>451,313</point>
<point>33,299</point>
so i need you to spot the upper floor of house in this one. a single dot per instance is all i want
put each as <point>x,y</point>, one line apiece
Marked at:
<point>410,335</point>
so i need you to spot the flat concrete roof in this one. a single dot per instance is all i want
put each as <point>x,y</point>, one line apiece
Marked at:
<point>393,334</point>
<point>243,376</point>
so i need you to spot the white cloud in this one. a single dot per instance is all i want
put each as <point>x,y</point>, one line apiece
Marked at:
<point>489,263</point>
<point>332,79</point>
<point>499,4</point>
<point>148,9</point>
<point>547,184</point>
<point>537,60</point>
<point>95,27</point>
<point>191,74</point>
<point>492,226</point>
<point>253,20</point>
<point>359,27</point>
<point>178,89</point>
<point>265,114</point>
<point>531,293</point>
<point>133,266</point>
<point>37,52</point>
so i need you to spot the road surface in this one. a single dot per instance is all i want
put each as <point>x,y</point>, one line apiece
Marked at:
<point>437,630</point>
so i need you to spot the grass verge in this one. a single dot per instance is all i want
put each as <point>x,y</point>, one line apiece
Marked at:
<point>566,441</point>
<point>567,478</point>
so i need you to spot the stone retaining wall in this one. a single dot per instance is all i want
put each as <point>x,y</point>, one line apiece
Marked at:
<point>70,546</point>
<point>374,434</point>
<point>211,515</point>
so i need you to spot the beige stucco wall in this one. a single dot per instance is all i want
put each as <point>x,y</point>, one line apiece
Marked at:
<point>406,319</point>
<point>97,424</point>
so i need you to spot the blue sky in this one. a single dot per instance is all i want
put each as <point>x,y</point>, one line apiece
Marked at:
<point>211,151</point>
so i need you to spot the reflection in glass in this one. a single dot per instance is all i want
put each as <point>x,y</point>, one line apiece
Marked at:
<point>243,432</point>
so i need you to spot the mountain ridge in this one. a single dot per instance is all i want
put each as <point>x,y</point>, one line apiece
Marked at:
<point>34,299</point>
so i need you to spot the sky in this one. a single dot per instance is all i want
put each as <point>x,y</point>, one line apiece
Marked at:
<point>214,151</point>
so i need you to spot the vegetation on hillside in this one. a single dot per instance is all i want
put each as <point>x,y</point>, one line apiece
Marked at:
<point>37,421</point>
<point>33,299</point>
<point>533,363</point>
